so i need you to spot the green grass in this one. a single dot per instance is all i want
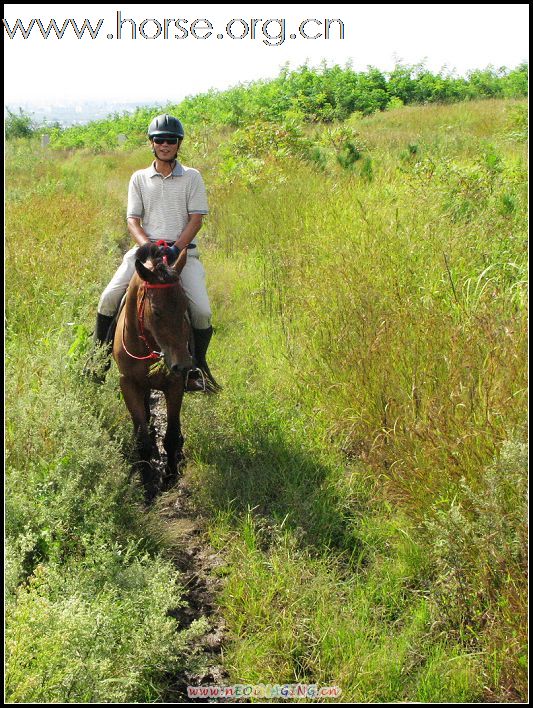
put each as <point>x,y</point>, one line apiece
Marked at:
<point>363,470</point>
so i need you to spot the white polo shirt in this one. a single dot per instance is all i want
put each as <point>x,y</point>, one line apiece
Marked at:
<point>164,203</point>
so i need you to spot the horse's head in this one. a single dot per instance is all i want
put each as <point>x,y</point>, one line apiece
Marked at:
<point>164,307</point>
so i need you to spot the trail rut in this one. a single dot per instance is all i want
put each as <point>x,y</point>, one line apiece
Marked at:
<point>197,563</point>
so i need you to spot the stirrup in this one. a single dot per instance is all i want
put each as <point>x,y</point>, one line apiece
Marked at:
<point>201,377</point>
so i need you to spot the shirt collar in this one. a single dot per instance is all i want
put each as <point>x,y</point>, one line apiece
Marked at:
<point>176,172</point>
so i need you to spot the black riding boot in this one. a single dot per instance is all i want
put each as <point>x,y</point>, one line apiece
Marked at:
<point>202,337</point>
<point>103,336</point>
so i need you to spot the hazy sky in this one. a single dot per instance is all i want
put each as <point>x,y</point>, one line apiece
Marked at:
<point>155,68</point>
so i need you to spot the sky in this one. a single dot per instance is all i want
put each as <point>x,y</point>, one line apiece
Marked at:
<point>225,46</point>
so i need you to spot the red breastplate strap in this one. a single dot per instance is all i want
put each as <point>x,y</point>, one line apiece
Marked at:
<point>140,318</point>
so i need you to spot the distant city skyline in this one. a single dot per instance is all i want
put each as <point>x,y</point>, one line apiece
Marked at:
<point>74,113</point>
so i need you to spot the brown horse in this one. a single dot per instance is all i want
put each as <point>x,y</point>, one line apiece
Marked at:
<point>153,327</point>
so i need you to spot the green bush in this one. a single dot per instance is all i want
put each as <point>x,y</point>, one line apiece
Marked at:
<point>517,123</point>
<point>18,125</point>
<point>306,95</point>
<point>395,103</point>
<point>479,548</point>
<point>95,631</point>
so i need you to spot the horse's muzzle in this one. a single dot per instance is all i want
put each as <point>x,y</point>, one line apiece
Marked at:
<point>181,367</point>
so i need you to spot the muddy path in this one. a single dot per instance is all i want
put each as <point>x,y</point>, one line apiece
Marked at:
<point>197,564</point>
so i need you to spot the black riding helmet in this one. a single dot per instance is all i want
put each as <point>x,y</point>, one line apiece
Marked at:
<point>165,126</point>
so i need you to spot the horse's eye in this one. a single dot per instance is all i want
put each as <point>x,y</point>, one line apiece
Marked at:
<point>157,314</point>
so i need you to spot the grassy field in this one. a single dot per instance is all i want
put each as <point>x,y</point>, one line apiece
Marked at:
<point>363,473</point>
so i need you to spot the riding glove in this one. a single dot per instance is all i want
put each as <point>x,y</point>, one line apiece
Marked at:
<point>172,253</point>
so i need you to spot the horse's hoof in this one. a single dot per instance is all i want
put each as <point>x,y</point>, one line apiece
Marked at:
<point>169,481</point>
<point>150,493</point>
<point>172,476</point>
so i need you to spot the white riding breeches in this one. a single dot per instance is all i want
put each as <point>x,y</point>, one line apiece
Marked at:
<point>192,279</point>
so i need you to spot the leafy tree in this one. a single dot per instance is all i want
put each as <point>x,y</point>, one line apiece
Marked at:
<point>18,125</point>
<point>306,95</point>
<point>515,84</point>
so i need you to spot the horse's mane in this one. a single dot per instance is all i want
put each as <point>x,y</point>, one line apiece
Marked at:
<point>153,253</point>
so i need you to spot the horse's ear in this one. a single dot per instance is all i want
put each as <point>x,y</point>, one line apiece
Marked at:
<point>180,261</point>
<point>143,272</point>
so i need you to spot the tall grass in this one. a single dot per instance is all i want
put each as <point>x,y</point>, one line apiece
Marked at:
<point>384,320</point>
<point>363,471</point>
<point>401,302</point>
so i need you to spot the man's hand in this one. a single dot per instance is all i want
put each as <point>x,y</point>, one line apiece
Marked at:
<point>172,253</point>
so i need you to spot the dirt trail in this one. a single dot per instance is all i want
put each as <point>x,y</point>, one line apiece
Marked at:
<point>196,562</point>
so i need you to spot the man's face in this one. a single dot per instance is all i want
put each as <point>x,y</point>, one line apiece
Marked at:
<point>164,148</point>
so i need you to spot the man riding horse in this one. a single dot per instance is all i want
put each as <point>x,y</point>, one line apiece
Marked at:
<point>166,203</point>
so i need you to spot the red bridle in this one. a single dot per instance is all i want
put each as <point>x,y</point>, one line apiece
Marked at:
<point>140,315</point>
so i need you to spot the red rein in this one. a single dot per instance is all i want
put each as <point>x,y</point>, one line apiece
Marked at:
<point>164,244</point>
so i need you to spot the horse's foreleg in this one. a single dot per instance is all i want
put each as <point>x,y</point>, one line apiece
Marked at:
<point>173,441</point>
<point>134,397</point>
